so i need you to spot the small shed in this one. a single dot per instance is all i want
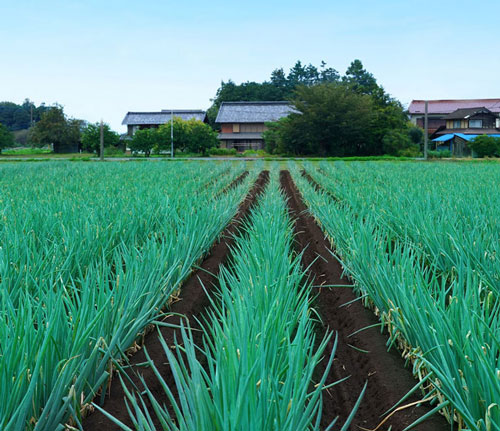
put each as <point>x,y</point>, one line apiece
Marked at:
<point>456,143</point>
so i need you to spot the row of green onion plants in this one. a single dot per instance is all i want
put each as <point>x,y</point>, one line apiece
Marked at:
<point>421,243</point>
<point>255,369</point>
<point>89,256</point>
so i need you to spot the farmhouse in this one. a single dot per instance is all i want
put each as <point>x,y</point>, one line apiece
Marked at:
<point>146,120</point>
<point>463,125</point>
<point>242,123</point>
<point>439,109</point>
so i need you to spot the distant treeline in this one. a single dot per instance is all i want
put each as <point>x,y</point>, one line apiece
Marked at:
<point>336,115</point>
<point>20,117</point>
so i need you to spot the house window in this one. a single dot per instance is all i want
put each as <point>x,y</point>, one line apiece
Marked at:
<point>236,128</point>
<point>457,124</point>
<point>475,124</point>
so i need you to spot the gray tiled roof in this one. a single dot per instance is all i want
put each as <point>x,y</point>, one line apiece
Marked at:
<point>252,112</point>
<point>466,112</point>
<point>163,117</point>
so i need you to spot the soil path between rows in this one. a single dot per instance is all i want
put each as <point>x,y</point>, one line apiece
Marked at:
<point>388,379</point>
<point>193,301</point>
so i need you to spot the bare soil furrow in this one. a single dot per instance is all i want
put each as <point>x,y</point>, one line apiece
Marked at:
<point>388,379</point>
<point>191,303</point>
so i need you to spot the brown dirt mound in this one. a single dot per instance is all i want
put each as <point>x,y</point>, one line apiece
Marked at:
<point>388,379</point>
<point>191,304</point>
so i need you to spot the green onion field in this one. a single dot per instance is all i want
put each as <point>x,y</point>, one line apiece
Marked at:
<point>94,258</point>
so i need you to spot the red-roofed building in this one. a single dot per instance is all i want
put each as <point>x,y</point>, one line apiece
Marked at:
<point>438,109</point>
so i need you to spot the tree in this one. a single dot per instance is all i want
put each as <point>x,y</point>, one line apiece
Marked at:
<point>305,75</point>
<point>73,135</point>
<point>191,136</point>
<point>403,142</point>
<point>56,130</point>
<point>416,135</point>
<point>6,138</point>
<point>273,136</point>
<point>7,110</point>
<point>278,78</point>
<point>330,120</point>
<point>311,75</point>
<point>51,129</point>
<point>91,138</point>
<point>389,112</point>
<point>359,80</point>
<point>18,117</point>
<point>485,145</point>
<point>21,119</point>
<point>396,141</point>
<point>180,136</point>
<point>144,141</point>
<point>328,74</point>
<point>200,137</point>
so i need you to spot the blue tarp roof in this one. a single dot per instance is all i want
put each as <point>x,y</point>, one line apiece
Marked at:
<point>446,137</point>
<point>469,137</point>
<point>449,136</point>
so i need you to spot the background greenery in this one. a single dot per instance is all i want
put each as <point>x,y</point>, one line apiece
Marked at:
<point>335,115</point>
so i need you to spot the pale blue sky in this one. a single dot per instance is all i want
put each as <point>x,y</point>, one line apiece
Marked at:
<point>104,58</point>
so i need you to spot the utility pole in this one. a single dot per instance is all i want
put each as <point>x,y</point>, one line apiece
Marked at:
<point>172,134</point>
<point>426,129</point>
<point>102,141</point>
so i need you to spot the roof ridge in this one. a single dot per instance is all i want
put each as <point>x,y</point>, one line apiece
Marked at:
<point>145,112</point>
<point>166,111</point>
<point>455,100</point>
<point>254,102</point>
<point>181,110</point>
